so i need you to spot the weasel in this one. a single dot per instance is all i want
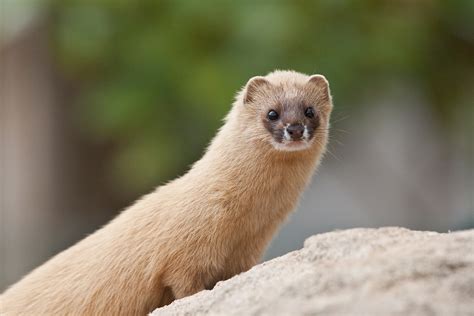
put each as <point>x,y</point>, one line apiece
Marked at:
<point>208,225</point>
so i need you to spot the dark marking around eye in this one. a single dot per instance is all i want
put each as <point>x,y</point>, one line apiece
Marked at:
<point>313,125</point>
<point>309,112</point>
<point>275,128</point>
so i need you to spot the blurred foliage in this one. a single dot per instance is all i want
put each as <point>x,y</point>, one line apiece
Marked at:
<point>156,77</point>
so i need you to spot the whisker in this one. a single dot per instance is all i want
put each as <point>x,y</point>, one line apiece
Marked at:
<point>340,119</point>
<point>330,152</point>
<point>339,160</point>
<point>341,130</point>
<point>338,114</point>
<point>337,141</point>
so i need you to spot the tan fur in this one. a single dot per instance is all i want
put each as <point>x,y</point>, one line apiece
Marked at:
<point>208,225</point>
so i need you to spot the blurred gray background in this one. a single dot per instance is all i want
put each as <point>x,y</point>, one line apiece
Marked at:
<point>101,101</point>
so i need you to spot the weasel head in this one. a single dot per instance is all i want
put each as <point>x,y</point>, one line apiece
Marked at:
<point>291,110</point>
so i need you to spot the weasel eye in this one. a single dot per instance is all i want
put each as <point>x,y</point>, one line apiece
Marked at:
<point>309,112</point>
<point>273,115</point>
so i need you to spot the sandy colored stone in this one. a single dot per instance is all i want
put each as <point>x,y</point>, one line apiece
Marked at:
<point>386,271</point>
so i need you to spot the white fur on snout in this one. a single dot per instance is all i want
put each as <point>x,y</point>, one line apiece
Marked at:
<point>305,133</point>
<point>286,135</point>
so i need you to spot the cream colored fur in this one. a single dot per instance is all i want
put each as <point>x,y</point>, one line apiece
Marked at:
<point>208,225</point>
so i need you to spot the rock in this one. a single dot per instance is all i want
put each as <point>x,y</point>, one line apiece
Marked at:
<point>386,271</point>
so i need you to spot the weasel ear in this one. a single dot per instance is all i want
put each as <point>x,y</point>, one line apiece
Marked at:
<point>321,85</point>
<point>254,85</point>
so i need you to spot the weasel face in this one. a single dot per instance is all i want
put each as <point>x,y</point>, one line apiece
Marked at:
<point>293,109</point>
<point>292,125</point>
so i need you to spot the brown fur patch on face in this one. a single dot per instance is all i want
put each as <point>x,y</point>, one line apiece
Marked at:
<point>291,111</point>
<point>276,128</point>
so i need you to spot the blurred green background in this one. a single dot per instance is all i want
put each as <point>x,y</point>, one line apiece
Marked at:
<point>157,76</point>
<point>131,92</point>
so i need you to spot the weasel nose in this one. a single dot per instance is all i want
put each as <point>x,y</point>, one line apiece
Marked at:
<point>295,131</point>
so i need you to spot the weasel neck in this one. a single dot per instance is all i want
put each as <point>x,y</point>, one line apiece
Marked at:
<point>252,173</point>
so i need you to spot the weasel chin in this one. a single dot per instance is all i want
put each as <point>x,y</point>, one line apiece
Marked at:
<point>291,145</point>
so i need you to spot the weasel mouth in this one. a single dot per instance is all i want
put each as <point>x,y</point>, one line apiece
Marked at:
<point>292,145</point>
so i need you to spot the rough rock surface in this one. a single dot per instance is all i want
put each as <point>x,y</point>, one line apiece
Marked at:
<point>386,271</point>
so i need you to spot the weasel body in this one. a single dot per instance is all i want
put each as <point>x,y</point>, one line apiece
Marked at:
<point>206,226</point>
